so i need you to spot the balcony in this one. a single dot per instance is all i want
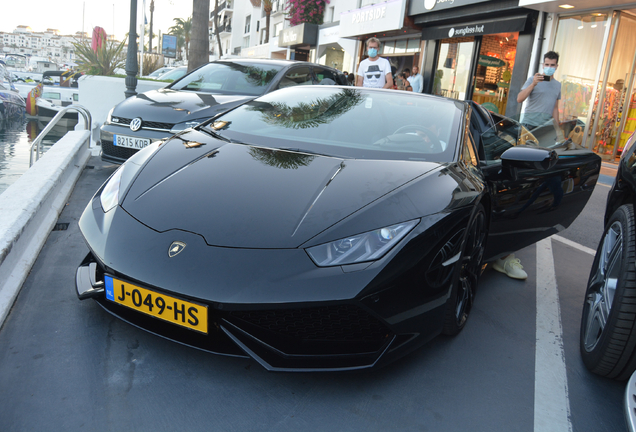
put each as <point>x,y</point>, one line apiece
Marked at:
<point>225,29</point>
<point>278,7</point>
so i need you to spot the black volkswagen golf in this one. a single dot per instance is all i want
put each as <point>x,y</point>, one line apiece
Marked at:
<point>203,93</point>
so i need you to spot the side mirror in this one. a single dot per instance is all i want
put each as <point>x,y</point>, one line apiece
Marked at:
<point>529,157</point>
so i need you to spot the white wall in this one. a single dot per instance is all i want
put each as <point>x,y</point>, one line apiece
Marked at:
<point>99,94</point>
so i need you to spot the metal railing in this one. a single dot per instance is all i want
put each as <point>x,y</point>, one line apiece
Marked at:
<point>37,143</point>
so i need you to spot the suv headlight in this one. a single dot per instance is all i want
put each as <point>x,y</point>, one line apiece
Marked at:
<point>368,246</point>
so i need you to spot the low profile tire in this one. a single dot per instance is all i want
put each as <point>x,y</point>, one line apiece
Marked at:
<point>464,287</point>
<point>608,336</point>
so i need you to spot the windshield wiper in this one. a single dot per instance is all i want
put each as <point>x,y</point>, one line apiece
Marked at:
<point>217,135</point>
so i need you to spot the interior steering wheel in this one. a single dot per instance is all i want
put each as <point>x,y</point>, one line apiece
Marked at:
<point>433,144</point>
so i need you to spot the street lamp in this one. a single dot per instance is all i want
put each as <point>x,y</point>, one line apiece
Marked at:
<point>131,57</point>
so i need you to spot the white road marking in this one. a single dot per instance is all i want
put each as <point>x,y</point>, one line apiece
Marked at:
<point>551,400</point>
<point>575,245</point>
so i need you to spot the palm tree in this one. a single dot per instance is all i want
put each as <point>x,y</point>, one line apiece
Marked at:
<point>215,22</point>
<point>152,11</point>
<point>182,29</point>
<point>200,34</point>
<point>268,5</point>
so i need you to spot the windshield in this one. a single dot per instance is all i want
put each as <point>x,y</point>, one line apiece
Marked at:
<point>230,78</point>
<point>347,122</point>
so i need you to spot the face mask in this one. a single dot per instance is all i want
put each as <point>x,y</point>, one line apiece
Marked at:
<point>549,71</point>
<point>372,52</point>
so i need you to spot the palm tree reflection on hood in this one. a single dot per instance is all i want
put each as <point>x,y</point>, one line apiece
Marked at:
<point>307,114</point>
<point>281,158</point>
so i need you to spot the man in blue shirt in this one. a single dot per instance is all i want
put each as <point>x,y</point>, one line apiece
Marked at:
<point>416,80</point>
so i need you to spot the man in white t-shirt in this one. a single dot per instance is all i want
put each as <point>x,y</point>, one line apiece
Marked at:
<point>375,71</point>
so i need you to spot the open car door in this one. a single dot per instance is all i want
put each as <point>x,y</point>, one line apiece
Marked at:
<point>537,188</point>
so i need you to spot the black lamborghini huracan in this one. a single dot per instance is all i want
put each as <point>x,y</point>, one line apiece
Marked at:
<point>323,227</point>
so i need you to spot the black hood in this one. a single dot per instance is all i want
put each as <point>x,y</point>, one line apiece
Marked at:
<point>171,106</point>
<point>243,196</point>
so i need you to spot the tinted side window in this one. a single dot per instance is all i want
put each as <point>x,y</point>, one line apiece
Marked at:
<point>296,76</point>
<point>325,76</point>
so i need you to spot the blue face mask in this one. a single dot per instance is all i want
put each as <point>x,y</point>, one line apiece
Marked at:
<point>372,52</point>
<point>549,71</point>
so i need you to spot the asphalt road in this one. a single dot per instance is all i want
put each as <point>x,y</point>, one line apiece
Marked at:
<point>68,365</point>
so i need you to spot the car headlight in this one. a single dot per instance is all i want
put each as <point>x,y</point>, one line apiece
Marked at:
<point>110,194</point>
<point>109,117</point>
<point>119,181</point>
<point>367,246</point>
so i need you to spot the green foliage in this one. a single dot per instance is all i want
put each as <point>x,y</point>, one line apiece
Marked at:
<point>104,61</point>
<point>181,30</point>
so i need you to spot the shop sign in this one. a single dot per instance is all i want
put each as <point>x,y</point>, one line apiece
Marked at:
<point>329,35</point>
<point>375,18</point>
<point>487,61</point>
<point>424,6</point>
<point>302,34</point>
<point>499,25</point>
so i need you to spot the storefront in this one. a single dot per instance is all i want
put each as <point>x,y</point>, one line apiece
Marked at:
<point>596,69</point>
<point>476,50</point>
<point>300,39</point>
<point>399,42</point>
<point>334,50</point>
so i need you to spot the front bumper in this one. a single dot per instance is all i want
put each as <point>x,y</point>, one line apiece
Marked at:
<point>275,305</point>
<point>119,155</point>
<point>332,336</point>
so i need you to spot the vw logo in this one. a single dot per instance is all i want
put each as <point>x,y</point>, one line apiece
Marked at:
<point>176,248</point>
<point>135,124</point>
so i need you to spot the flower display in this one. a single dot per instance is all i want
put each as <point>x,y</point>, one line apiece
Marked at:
<point>305,11</point>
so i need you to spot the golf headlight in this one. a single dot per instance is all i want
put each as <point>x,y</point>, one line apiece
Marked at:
<point>109,117</point>
<point>367,246</point>
<point>124,175</point>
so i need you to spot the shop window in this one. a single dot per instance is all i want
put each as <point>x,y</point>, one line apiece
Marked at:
<point>494,71</point>
<point>577,73</point>
<point>400,46</point>
<point>452,76</point>
<point>413,45</point>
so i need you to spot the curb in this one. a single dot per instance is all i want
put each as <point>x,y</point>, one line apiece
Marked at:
<point>30,207</point>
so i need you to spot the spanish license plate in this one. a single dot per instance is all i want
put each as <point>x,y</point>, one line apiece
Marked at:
<point>176,311</point>
<point>130,142</point>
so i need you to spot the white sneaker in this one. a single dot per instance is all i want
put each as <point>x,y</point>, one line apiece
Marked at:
<point>510,266</point>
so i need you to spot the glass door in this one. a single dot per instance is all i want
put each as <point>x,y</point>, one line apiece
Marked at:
<point>453,71</point>
<point>494,71</point>
<point>613,112</point>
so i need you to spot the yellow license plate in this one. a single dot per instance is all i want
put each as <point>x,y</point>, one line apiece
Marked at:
<point>184,313</point>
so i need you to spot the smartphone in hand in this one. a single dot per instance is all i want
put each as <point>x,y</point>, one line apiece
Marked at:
<point>547,77</point>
